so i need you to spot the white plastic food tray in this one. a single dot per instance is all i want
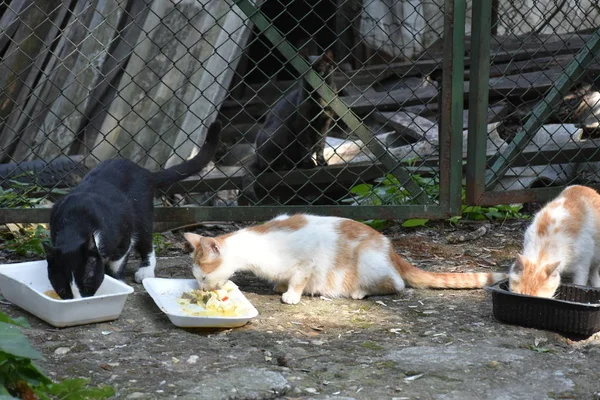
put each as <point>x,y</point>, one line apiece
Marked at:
<point>166,292</point>
<point>24,284</point>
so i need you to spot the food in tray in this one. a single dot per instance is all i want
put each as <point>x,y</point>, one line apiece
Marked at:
<point>52,294</point>
<point>218,302</point>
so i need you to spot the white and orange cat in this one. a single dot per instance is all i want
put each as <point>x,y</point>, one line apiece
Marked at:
<point>564,239</point>
<point>331,256</point>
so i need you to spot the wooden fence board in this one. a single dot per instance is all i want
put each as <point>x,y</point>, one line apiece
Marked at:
<point>48,88</point>
<point>17,63</point>
<point>67,114</point>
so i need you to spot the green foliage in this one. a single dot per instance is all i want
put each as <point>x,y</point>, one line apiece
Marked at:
<point>389,191</point>
<point>24,195</point>
<point>161,243</point>
<point>20,377</point>
<point>415,222</point>
<point>73,389</point>
<point>27,241</point>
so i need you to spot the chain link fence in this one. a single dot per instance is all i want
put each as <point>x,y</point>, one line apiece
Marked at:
<point>344,106</point>
<point>543,91</point>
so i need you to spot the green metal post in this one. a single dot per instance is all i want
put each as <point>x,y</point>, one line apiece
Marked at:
<point>572,73</point>
<point>331,98</point>
<point>452,107</point>
<point>478,99</point>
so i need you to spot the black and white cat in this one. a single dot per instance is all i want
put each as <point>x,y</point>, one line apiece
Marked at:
<point>94,227</point>
<point>294,130</point>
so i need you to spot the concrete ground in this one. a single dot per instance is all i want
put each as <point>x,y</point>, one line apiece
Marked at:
<point>420,344</point>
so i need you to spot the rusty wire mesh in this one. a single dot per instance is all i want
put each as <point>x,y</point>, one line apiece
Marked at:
<point>85,81</point>
<point>534,43</point>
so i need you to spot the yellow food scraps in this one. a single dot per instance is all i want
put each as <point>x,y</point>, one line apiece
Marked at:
<point>52,294</point>
<point>219,303</point>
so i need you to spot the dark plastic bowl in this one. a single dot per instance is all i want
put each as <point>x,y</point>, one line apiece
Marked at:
<point>574,310</point>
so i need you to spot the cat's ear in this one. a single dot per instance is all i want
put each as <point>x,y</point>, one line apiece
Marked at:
<point>519,265</point>
<point>193,239</point>
<point>91,244</point>
<point>210,246</point>
<point>552,268</point>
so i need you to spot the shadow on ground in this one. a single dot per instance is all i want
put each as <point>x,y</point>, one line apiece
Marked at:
<point>421,344</point>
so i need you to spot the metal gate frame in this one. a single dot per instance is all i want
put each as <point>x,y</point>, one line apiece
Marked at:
<point>450,142</point>
<point>479,181</point>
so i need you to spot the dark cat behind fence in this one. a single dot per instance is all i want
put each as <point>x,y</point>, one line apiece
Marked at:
<point>295,128</point>
<point>95,226</point>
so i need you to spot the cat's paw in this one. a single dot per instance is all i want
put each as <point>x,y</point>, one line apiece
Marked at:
<point>291,297</point>
<point>358,295</point>
<point>321,162</point>
<point>143,273</point>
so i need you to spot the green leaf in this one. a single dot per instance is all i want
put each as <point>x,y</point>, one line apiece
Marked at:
<point>75,389</point>
<point>361,189</point>
<point>455,220</point>
<point>20,321</point>
<point>12,341</point>
<point>376,223</point>
<point>412,223</point>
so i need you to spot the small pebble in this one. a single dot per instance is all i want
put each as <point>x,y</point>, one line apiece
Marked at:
<point>61,351</point>
<point>192,359</point>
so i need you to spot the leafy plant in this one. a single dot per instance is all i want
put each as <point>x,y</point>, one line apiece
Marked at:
<point>21,378</point>
<point>26,241</point>
<point>389,191</point>
<point>24,195</point>
<point>160,242</point>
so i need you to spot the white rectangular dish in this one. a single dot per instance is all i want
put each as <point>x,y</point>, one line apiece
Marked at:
<point>167,292</point>
<point>24,284</point>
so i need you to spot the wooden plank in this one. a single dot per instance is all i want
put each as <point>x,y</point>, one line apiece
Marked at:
<point>522,46</point>
<point>407,124</point>
<point>17,62</point>
<point>212,82</point>
<point>522,85</point>
<point>21,117</point>
<point>142,111</point>
<point>165,102</point>
<point>11,19</point>
<point>66,116</point>
<point>47,91</point>
<point>227,178</point>
<point>518,85</point>
<point>113,67</point>
<point>495,113</point>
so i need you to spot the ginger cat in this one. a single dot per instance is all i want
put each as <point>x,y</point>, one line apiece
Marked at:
<point>564,238</point>
<point>331,256</point>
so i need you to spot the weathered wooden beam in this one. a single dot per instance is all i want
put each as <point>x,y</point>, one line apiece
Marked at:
<point>226,178</point>
<point>17,62</point>
<point>519,85</point>
<point>562,83</point>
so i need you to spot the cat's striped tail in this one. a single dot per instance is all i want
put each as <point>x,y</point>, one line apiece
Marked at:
<point>418,278</point>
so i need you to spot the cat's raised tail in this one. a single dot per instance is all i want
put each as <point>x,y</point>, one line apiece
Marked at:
<point>187,168</point>
<point>420,279</point>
